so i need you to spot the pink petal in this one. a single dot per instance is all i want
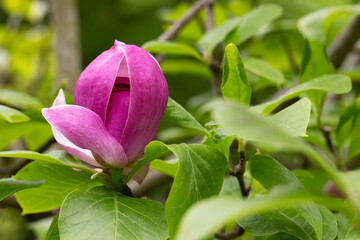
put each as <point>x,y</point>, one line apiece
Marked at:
<point>86,130</point>
<point>148,100</point>
<point>118,107</point>
<point>95,84</point>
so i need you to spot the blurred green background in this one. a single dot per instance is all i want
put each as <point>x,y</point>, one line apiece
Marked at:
<point>30,63</point>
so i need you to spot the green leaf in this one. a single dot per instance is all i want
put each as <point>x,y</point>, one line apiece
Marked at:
<point>295,221</point>
<point>101,214</point>
<point>315,63</point>
<point>208,216</point>
<point>13,131</point>
<point>295,118</point>
<point>59,157</point>
<point>19,99</point>
<point>185,67</point>
<point>334,83</point>
<point>169,167</point>
<point>237,120</point>
<point>271,173</point>
<point>12,115</point>
<point>347,222</point>
<point>153,150</point>
<point>53,232</point>
<point>234,84</point>
<point>218,34</point>
<point>348,127</point>
<point>354,148</point>
<point>59,181</point>
<point>238,30</point>
<point>10,186</point>
<point>313,180</point>
<point>304,222</point>
<point>200,175</point>
<point>265,70</point>
<point>171,48</point>
<point>251,22</point>
<point>178,115</point>
<point>315,25</point>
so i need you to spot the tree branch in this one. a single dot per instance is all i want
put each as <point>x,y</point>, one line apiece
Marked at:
<point>179,24</point>
<point>326,131</point>
<point>344,44</point>
<point>238,172</point>
<point>236,232</point>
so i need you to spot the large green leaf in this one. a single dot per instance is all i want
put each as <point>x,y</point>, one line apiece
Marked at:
<point>265,70</point>
<point>305,222</point>
<point>59,181</point>
<point>347,222</point>
<point>234,84</point>
<point>102,214</point>
<point>12,115</point>
<point>237,120</point>
<point>58,157</point>
<point>10,186</point>
<point>18,99</point>
<point>200,175</point>
<point>238,30</point>
<point>334,83</point>
<point>295,118</point>
<point>171,48</point>
<point>53,232</point>
<point>178,115</point>
<point>210,215</point>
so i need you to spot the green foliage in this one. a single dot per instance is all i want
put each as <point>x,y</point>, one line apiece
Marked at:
<point>57,157</point>
<point>101,213</point>
<point>200,222</point>
<point>12,115</point>
<point>171,48</point>
<point>335,83</point>
<point>265,70</point>
<point>178,115</point>
<point>238,30</point>
<point>44,198</point>
<point>200,175</point>
<point>234,84</point>
<point>10,186</point>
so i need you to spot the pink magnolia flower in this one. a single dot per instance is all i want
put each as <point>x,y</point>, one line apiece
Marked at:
<point>119,100</point>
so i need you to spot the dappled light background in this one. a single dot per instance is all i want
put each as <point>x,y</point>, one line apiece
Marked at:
<point>45,44</point>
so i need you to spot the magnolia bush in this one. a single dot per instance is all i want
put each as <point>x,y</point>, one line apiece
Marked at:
<point>269,152</point>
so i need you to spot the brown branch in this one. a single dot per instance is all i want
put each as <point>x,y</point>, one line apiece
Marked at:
<point>326,131</point>
<point>238,172</point>
<point>236,232</point>
<point>344,44</point>
<point>179,24</point>
<point>214,60</point>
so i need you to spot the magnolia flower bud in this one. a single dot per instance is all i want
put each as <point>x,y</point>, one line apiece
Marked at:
<point>119,100</point>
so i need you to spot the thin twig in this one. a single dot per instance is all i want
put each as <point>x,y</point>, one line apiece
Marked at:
<point>179,24</point>
<point>340,49</point>
<point>236,232</point>
<point>214,59</point>
<point>238,172</point>
<point>326,131</point>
